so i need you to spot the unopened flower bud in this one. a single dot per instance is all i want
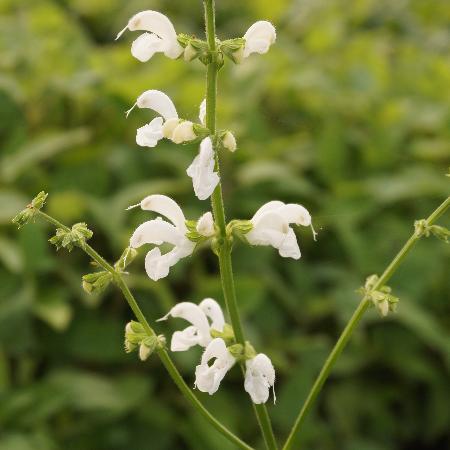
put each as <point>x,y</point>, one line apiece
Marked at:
<point>229,141</point>
<point>144,351</point>
<point>205,225</point>
<point>28,214</point>
<point>190,53</point>
<point>184,132</point>
<point>127,257</point>
<point>169,127</point>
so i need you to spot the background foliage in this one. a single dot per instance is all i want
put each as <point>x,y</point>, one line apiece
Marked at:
<point>348,114</point>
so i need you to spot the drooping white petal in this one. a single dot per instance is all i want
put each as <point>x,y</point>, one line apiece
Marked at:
<point>150,134</point>
<point>289,247</point>
<point>202,112</point>
<point>208,378</point>
<point>259,378</point>
<point>185,339</point>
<point>183,132</point>
<point>214,312</point>
<point>158,24</point>
<point>194,315</point>
<point>259,37</point>
<point>155,232</point>
<point>145,46</point>
<point>204,179</point>
<point>159,102</point>
<point>205,225</point>
<point>161,204</point>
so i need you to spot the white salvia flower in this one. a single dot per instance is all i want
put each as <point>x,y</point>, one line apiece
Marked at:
<point>204,179</point>
<point>183,132</point>
<point>259,378</point>
<point>150,134</point>
<point>259,37</point>
<point>202,112</point>
<point>205,225</point>
<point>203,317</point>
<point>229,141</point>
<point>208,377</point>
<point>159,231</point>
<point>271,227</point>
<point>161,36</point>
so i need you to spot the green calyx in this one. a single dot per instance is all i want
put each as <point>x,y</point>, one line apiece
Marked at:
<point>28,214</point>
<point>381,298</point>
<point>76,236</point>
<point>239,228</point>
<point>136,337</point>
<point>227,334</point>
<point>242,352</point>
<point>198,49</point>
<point>97,282</point>
<point>422,228</point>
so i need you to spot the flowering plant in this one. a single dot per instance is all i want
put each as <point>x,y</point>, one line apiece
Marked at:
<point>224,343</point>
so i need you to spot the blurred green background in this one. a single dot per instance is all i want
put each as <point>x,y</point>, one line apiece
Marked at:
<point>348,114</point>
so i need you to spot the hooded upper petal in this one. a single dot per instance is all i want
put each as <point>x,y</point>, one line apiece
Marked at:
<point>259,378</point>
<point>259,37</point>
<point>159,25</point>
<point>204,179</point>
<point>208,377</point>
<point>159,102</point>
<point>214,312</point>
<point>169,208</point>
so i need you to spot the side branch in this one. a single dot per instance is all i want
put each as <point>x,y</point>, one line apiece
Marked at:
<point>354,321</point>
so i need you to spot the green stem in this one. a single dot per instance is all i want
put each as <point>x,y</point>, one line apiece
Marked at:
<point>226,269</point>
<point>353,322</point>
<point>163,355</point>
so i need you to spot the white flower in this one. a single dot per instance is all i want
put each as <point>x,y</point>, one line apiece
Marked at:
<point>150,134</point>
<point>161,36</point>
<point>204,179</point>
<point>203,317</point>
<point>259,37</point>
<point>202,112</point>
<point>208,377</point>
<point>259,378</point>
<point>271,227</point>
<point>205,225</point>
<point>158,231</point>
<point>229,141</point>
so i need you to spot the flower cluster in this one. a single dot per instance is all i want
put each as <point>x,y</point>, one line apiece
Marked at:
<point>208,329</point>
<point>272,224</point>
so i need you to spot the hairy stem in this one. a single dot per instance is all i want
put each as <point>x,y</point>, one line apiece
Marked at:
<point>226,269</point>
<point>162,353</point>
<point>353,322</point>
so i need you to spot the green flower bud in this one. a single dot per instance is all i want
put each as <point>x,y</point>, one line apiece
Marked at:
<point>77,235</point>
<point>28,214</point>
<point>233,49</point>
<point>96,282</point>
